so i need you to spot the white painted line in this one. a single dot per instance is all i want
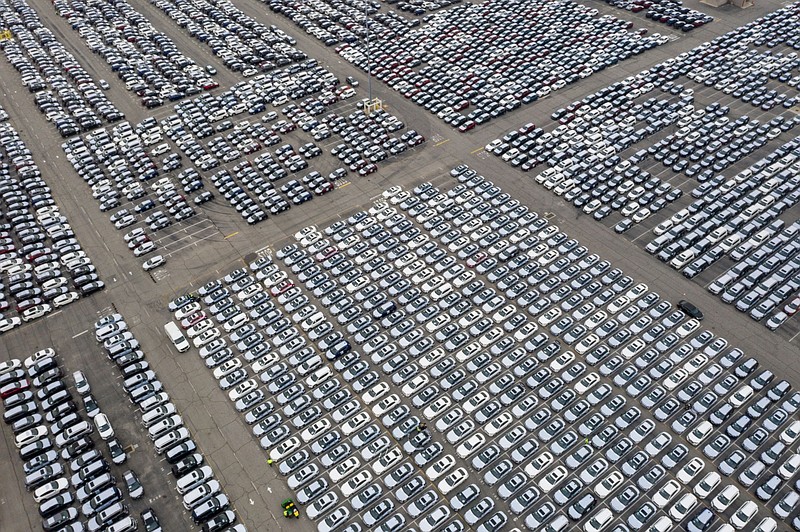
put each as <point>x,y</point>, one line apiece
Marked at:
<point>188,245</point>
<point>188,236</point>
<point>81,333</point>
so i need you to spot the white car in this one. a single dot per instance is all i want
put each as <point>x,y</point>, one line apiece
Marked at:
<point>683,506</point>
<point>689,471</point>
<point>356,482</point>
<point>226,368</point>
<point>386,404</point>
<point>354,423</point>
<point>725,498</point>
<point>304,232</point>
<point>553,478</point>
<point>36,312</point>
<point>10,365</point>
<point>343,470</point>
<point>707,484</point>
<point>315,430</point>
<point>58,282</point>
<point>744,515</point>
<point>538,464</point>
<point>741,396</point>
<point>789,467</point>
<point>790,433</point>
<point>440,467</point>
<point>666,493</point>
<point>452,481</point>
<point>664,524</point>
<point>30,436</point>
<point>153,262</point>
<point>65,299</point>
<point>242,389</point>
<point>50,490</point>
<point>189,309</point>
<point>375,393</point>
<point>205,337</point>
<point>9,323</point>
<point>104,427</point>
<point>47,352</point>
<point>599,521</point>
<point>144,248</point>
<point>471,445</point>
<point>285,448</point>
<point>386,460</point>
<point>768,524</point>
<point>698,434</point>
<point>200,327</point>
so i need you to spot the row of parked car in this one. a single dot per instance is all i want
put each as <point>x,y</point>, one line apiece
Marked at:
<point>335,22</point>
<point>64,91</point>
<point>368,140</point>
<point>358,324</point>
<point>241,42</point>
<point>770,298</point>
<point>707,64</point>
<point>473,71</point>
<point>625,375</point>
<point>703,143</point>
<point>420,7</point>
<point>42,261</point>
<point>303,80</point>
<point>305,388</point>
<point>316,254</point>
<point>745,73</point>
<point>668,408</point>
<point>146,60</point>
<point>83,497</point>
<point>120,168</point>
<point>670,12</point>
<point>202,496</point>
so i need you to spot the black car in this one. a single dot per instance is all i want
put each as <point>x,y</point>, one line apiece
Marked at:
<point>701,521</point>
<point>150,520</point>
<point>690,309</point>
<point>582,507</point>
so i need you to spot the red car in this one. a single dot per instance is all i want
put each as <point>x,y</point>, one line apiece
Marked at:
<point>368,169</point>
<point>477,259</point>
<point>326,253</point>
<point>281,288</point>
<point>14,387</point>
<point>323,189</point>
<point>466,126</point>
<point>193,318</point>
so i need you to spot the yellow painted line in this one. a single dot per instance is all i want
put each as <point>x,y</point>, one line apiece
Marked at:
<point>344,184</point>
<point>232,235</point>
<point>442,142</point>
<point>476,150</point>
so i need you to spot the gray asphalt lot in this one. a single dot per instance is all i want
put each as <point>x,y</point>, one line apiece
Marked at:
<point>225,440</point>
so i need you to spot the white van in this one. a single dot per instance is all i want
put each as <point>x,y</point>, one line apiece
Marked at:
<point>153,401</point>
<point>176,336</point>
<point>193,479</point>
<point>126,524</point>
<point>157,414</point>
<point>170,438</point>
<point>200,493</point>
<point>162,426</point>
